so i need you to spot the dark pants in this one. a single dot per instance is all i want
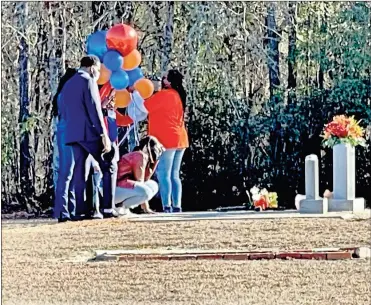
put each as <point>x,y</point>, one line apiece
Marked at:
<point>108,167</point>
<point>92,190</point>
<point>64,196</point>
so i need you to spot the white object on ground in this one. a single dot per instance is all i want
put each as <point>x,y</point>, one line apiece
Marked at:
<point>363,252</point>
<point>298,199</point>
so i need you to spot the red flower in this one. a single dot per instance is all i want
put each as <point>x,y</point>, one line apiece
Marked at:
<point>261,203</point>
<point>337,129</point>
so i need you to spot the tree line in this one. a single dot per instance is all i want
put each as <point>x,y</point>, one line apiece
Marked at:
<point>262,80</point>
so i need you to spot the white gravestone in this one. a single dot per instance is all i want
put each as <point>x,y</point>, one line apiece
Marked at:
<point>312,203</point>
<point>344,178</point>
<point>311,177</point>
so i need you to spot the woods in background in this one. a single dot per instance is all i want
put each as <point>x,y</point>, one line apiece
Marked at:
<point>262,80</point>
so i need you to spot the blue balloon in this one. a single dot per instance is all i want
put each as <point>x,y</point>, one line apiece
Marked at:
<point>119,79</point>
<point>96,44</point>
<point>134,75</point>
<point>113,60</point>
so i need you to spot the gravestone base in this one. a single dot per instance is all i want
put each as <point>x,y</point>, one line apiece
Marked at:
<point>314,206</point>
<point>346,205</point>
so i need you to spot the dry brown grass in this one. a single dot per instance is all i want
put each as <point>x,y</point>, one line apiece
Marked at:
<point>46,264</point>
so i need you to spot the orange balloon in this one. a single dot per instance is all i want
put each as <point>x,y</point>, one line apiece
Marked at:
<point>132,60</point>
<point>122,98</point>
<point>104,76</point>
<point>144,87</point>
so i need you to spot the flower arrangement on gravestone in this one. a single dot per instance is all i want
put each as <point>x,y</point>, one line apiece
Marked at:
<point>262,199</point>
<point>343,134</point>
<point>343,130</point>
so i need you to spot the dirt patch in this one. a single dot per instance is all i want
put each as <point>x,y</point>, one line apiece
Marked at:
<point>46,264</point>
<point>208,282</point>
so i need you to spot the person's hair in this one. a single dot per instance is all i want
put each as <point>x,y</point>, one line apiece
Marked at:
<point>175,78</point>
<point>151,146</point>
<point>88,61</point>
<point>64,79</point>
<point>154,78</point>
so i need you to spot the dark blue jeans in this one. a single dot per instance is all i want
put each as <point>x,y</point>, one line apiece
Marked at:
<point>93,180</point>
<point>108,167</point>
<point>64,196</point>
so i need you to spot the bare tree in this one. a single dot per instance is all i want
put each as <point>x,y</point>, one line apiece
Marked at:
<point>167,39</point>
<point>273,52</point>
<point>26,174</point>
<point>234,57</point>
<point>292,47</point>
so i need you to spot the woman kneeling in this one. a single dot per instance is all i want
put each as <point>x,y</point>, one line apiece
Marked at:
<point>135,170</point>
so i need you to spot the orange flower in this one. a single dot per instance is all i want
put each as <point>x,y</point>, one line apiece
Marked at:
<point>343,127</point>
<point>355,130</point>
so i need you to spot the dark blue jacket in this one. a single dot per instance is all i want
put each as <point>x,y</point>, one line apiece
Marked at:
<point>81,109</point>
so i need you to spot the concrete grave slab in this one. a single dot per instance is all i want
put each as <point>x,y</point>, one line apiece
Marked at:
<point>238,215</point>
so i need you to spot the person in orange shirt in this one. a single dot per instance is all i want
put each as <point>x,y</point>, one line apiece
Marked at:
<point>166,122</point>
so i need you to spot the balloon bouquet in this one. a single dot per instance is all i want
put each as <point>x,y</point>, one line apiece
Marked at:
<point>120,60</point>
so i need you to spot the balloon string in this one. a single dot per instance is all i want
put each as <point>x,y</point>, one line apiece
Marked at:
<point>126,135</point>
<point>136,136</point>
<point>134,125</point>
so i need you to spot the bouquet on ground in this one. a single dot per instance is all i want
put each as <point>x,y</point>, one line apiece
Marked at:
<point>262,199</point>
<point>343,130</point>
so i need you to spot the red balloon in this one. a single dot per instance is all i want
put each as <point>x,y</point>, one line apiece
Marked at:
<point>122,38</point>
<point>105,91</point>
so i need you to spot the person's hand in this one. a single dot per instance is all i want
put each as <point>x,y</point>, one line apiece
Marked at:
<point>111,105</point>
<point>149,211</point>
<point>106,143</point>
<point>109,101</point>
<point>131,89</point>
<point>96,169</point>
<point>146,209</point>
<point>105,102</point>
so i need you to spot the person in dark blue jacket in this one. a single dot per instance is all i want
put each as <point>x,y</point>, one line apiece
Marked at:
<point>86,134</point>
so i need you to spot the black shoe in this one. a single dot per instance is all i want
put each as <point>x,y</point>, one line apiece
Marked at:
<point>108,215</point>
<point>65,219</point>
<point>79,218</point>
<point>112,213</point>
<point>168,209</point>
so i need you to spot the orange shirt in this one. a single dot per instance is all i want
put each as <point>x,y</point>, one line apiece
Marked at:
<point>165,119</point>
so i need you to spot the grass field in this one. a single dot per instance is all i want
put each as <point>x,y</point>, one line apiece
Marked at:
<point>46,263</point>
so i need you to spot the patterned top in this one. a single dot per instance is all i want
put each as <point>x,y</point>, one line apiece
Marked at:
<point>132,167</point>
